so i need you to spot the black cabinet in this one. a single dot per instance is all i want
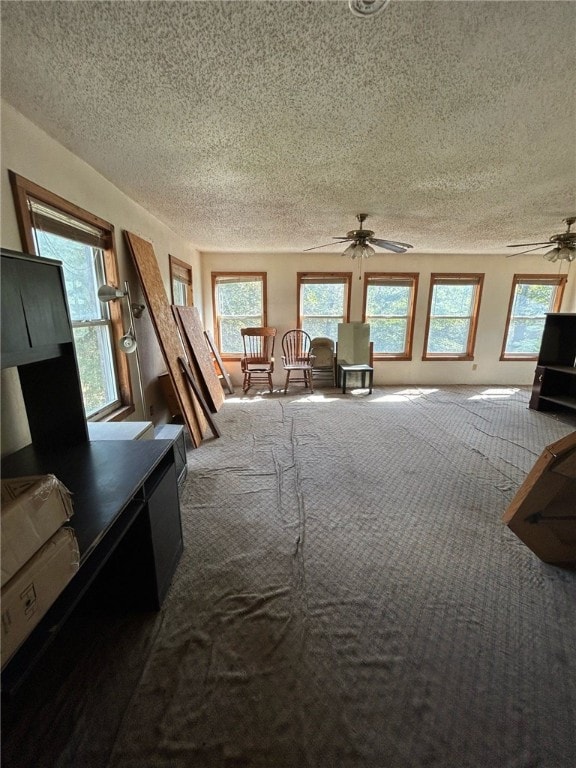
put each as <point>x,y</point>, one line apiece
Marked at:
<point>34,309</point>
<point>554,386</point>
<point>37,339</point>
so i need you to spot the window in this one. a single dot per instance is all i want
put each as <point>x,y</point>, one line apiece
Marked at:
<point>181,283</point>
<point>452,316</point>
<point>54,228</point>
<point>239,301</point>
<point>323,302</point>
<point>389,301</point>
<point>531,298</point>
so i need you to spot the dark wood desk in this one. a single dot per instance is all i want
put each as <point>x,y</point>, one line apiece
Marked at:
<point>127,522</point>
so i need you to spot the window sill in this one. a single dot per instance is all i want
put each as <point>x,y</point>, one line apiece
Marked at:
<point>118,415</point>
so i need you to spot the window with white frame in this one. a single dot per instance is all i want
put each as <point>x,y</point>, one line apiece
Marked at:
<point>532,297</point>
<point>239,301</point>
<point>323,302</point>
<point>389,301</point>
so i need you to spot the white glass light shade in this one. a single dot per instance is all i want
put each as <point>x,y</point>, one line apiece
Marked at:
<point>359,251</point>
<point>128,343</point>
<point>563,253</point>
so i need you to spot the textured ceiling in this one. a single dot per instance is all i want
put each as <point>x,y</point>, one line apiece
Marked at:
<point>269,125</point>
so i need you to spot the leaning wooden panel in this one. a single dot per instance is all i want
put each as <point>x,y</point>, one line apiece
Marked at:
<point>543,512</point>
<point>166,331</point>
<point>190,324</point>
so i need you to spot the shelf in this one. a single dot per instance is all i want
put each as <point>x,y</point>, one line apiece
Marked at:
<point>567,402</point>
<point>569,369</point>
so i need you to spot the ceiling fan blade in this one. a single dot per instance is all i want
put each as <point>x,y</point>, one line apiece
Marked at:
<point>521,245</point>
<point>324,246</point>
<point>389,245</point>
<point>538,248</point>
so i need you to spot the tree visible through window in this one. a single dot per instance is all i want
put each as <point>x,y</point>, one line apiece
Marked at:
<point>323,301</point>
<point>239,301</point>
<point>452,316</point>
<point>389,301</point>
<point>532,297</point>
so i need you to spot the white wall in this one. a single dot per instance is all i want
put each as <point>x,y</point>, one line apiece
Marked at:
<point>486,368</point>
<point>33,154</point>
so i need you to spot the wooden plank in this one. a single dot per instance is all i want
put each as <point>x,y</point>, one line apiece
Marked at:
<point>198,353</point>
<point>186,370</point>
<point>219,361</point>
<point>167,332</point>
<point>543,512</point>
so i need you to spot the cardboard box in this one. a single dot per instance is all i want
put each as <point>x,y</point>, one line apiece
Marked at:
<point>31,592</point>
<point>33,509</point>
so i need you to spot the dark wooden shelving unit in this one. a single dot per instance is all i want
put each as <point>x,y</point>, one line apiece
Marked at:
<point>554,386</point>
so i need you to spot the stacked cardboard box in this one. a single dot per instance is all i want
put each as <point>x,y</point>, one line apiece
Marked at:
<point>39,553</point>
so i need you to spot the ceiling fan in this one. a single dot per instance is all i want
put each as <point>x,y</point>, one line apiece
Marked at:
<point>564,245</point>
<point>361,242</point>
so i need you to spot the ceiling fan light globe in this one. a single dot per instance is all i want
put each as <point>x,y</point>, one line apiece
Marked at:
<point>552,255</point>
<point>567,253</point>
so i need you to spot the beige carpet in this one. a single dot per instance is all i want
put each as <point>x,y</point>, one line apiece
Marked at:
<point>348,598</point>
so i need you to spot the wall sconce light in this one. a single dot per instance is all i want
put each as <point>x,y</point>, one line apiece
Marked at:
<point>127,343</point>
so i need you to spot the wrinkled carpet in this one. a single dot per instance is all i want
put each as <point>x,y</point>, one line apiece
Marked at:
<point>348,598</point>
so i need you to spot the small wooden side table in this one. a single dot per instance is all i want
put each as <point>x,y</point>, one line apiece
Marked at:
<point>344,369</point>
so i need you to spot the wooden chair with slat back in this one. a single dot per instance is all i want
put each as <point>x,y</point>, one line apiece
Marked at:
<point>296,358</point>
<point>257,364</point>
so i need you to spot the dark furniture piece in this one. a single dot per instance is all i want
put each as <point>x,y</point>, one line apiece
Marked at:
<point>124,492</point>
<point>344,369</point>
<point>37,339</point>
<point>554,386</point>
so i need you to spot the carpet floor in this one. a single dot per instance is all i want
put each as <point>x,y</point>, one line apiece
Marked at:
<point>348,597</point>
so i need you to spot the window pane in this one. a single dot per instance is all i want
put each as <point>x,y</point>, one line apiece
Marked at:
<point>387,300</point>
<point>241,298</point>
<point>448,335</point>
<point>321,326</point>
<point>179,293</point>
<point>452,300</point>
<point>231,338</point>
<point>323,299</point>
<point>83,273</point>
<point>533,300</point>
<point>524,336</point>
<point>389,335</point>
<point>92,344</point>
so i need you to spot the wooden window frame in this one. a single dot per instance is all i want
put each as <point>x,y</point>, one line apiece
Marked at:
<point>22,189</point>
<point>183,272</point>
<point>215,276</point>
<point>344,278</point>
<point>558,280</point>
<point>384,278</point>
<point>469,278</point>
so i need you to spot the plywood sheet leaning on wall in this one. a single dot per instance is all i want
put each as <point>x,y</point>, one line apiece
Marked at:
<point>227,381</point>
<point>543,512</point>
<point>166,331</point>
<point>190,324</point>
